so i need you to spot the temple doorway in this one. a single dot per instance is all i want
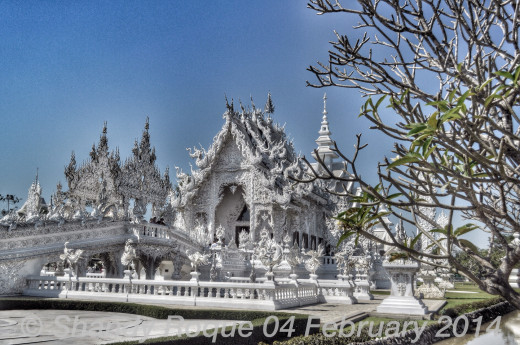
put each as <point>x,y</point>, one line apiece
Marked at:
<point>242,224</point>
<point>232,213</point>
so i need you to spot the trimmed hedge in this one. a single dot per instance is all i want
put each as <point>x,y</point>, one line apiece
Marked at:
<point>320,339</point>
<point>472,306</point>
<point>488,309</point>
<point>257,336</point>
<point>157,312</point>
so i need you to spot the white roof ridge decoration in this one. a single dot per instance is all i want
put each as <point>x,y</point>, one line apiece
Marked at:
<point>263,143</point>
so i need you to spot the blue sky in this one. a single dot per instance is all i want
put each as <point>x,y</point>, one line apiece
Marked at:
<point>66,67</point>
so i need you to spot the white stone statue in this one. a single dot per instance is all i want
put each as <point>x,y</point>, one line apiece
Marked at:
<point>314,261</point>
<point>71,257</point>
<point>197,259</point>
<point>129,255</point>
<point>220,233</point>
<point>362,265</point>
<point>269,253</point>
<point>294,258</point>
<point>344,262</point>
<point>244,240</point>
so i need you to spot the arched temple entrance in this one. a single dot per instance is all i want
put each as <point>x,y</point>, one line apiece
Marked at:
<point>233,213</point>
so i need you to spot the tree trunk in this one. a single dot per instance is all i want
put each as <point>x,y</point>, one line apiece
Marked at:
<point>498,285</point>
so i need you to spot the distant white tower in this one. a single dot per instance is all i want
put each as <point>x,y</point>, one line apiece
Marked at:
<point>324,141</point>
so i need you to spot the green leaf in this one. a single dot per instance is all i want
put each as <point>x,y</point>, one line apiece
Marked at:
<point>429,152</point>
<point>517,74</point>
<point>379,101</point>
<point>481,87</point>
<point>417,129</point>
<point>344,236</point>
<point>469,245</point>
<point>464,96</point>
<point>505,75</point>
<point>415,239</point>
<point>461,230</point>
<point>393,196</point>
<point>491,98</point>
<point>440,231</point>
<point>398,256</point>
<point>411,157</point>
<point>451,95</point>
<point>432,120</point>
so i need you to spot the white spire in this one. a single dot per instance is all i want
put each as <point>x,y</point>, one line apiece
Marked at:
<point>325,106</point>
<point>324,141</point>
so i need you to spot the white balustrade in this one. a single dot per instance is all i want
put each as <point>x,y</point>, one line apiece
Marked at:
<point>96,274</point>
<point>264,296</point>
<point>333,291</point>
<point>329,260</point>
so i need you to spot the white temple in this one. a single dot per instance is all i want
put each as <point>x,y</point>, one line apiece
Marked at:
<point>239,196</point>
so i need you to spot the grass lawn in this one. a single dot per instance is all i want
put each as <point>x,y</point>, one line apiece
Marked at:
<point>380,292</point>
<point>453,299</point>
<point>457,298</point>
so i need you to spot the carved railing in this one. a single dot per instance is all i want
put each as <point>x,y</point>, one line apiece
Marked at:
<point>329,260</point>
<point>155,230</point>
<point>264,296</point>
<point>27,241</point>
<point>47,273</point>
<point>157,233</point>
<point>333,291</point>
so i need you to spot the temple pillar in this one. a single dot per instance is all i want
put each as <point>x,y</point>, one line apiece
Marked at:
<point>117,266</point>
<point>81,266</point>
<point>178,262</point>
<point>150,264</point>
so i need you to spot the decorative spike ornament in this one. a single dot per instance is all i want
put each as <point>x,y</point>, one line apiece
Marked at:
<point>269,107</point>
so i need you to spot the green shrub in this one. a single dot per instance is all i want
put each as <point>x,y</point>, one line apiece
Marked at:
<point>257,336</point>
<point>157,312</point>
<point>469,307</point>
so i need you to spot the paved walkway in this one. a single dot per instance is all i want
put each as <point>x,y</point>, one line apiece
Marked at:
<point>329,312</point>
<point>90,327</point>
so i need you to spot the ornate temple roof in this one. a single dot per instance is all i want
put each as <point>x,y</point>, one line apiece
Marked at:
<point>263,144</point>
<point>104,177</point>
<point>102,170</point>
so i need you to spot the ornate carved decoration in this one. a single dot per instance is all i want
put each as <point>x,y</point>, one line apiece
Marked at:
<point>314,261</point>
<point>10,280</point>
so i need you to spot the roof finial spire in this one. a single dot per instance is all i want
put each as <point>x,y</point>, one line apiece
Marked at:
<point>325,106</point>
<point>324,141</point>
<point>36,174</point>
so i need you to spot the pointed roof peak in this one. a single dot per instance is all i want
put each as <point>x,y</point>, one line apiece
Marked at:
<point>269,107</point>
<point>229,106</point>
